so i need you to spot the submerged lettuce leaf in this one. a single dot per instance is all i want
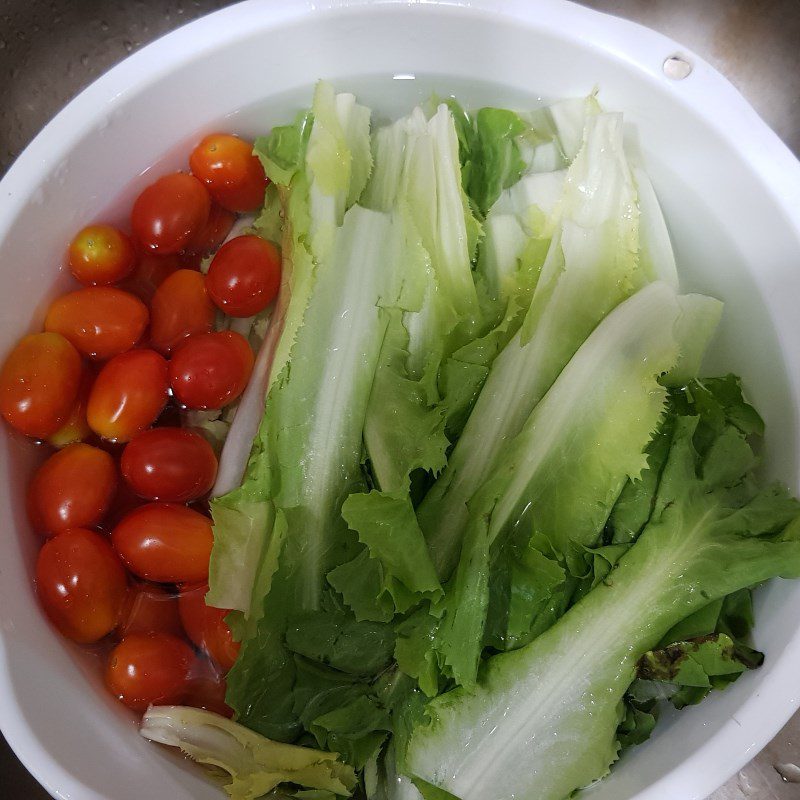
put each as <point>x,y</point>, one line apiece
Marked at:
<point>255,765</point>
<point>705,540</point>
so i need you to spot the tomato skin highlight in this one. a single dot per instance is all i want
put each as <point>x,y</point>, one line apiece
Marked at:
<point>174,465</point>
<point>99,321</point>
<point>165,543</point>
<point>149,669</point>
<point>206,626</point>
<point>74,488</point>
<point>233,175</point>
<point>180,307</point>
<point>128,395</point>
<point>149,608</point>
<point>244,276</point>
<point>100,255</point>
<point>211,370</point>
<point>39,383</point>
<point>170,212</point>
<point>81,584</point>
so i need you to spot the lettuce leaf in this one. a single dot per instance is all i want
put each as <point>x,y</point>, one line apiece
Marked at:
<point>254,764</point>
<point>711,534</point>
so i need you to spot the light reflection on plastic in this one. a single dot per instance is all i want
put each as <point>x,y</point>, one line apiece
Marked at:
<point>404,76</point>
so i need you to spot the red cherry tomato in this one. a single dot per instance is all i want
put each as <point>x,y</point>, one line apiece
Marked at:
<point>100,321</point>
<point>169,213</point>
<point>151,271</point>
<point>244,276</point>
<point>149,608</point>
<point>75,428</point>
<point>39,383</point>
<point>211,370</point>
<point>207,689</point>
<point>72,489</point>
<point>170,464</point>
<point>165,543</point>
<point>233,175</point>
<point>149,669</point>
<point>81,584</point>
<point>220,222</point>
<point>101,254</point>
<point>128,395</point>
<point>181,306</point>
<point>206,626</point>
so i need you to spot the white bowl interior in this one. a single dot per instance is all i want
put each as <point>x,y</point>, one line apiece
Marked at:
<point>246,69</point>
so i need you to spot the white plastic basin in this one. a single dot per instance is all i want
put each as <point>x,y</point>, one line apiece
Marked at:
<point>731,195</point>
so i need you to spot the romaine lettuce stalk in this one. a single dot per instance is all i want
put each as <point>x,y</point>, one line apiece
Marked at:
<point>255,764</point>
<point>561,475</point>
<point>592,265</point>
<point>319,166</point>
<point>417,178</point>
<point>543,720</point>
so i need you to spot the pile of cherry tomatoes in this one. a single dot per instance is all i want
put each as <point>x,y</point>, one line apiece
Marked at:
<point>121,502</point>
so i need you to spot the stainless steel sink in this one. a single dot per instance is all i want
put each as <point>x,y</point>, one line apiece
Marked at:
<point>50,50</point>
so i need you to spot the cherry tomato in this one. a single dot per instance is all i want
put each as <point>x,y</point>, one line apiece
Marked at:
<point>220,222</point>
<point>206,626</point>
<point>149,669</point>
<point>207,689</point>
<point>128,395</point>
<point>149,608</point>
<point>39,383</point>
<point>100,321</point>
<point>165,543</point>
<point>233,175</point>
<point>81,584</point>
<point>211,370</point>
<point>171,464</point>
<point>181,306</point>
<point>169,213</point>
<point>151,271</point>
<point>101,254</point>
<point>75,428</point>
<point>245,276</point>
<point>72,489</point>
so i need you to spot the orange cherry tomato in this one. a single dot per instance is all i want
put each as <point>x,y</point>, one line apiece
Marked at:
<point>100,321</point>
<point>149,669</point>
<point>220,222</point>
<point>181,306</point>
<point>175,465</point>
<point>81,584</point>
<point>170,213</point>
<point>100,255</point>
<point>244,276</point>
<point>233,175</point>
<point>206,626</point>
<point>211,370</point>
<point>128,395</point>
<point>72,489</point>
<point>75,428</point>
<point>165,543</point>
<point>149,608</point>
<point>39,383</point>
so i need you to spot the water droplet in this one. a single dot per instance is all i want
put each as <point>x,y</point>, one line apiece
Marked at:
<point>103,25</point>
<point>744,784</point>
<point>2,44</point>
<point>85,60</point>
<point>789,772</point>
<point>127,44</point>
